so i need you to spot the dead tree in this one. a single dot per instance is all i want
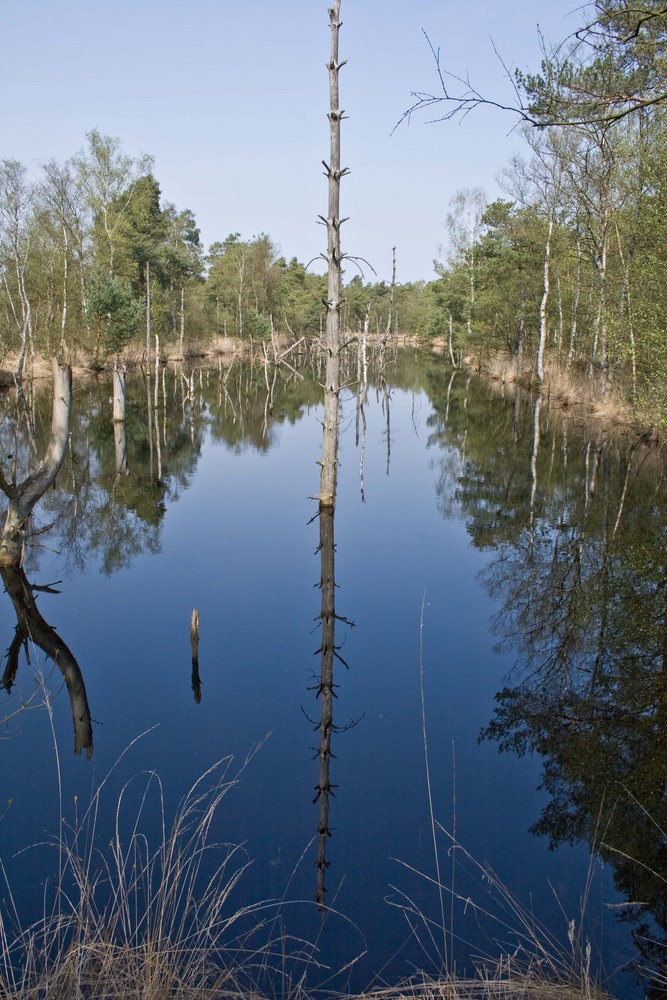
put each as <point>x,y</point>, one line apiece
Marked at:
<point>31,626</point>
<point>119,428</point>
<point>333,223</point>
<point>23,496</point>
<point>329,463</point>
<point>30,623</point>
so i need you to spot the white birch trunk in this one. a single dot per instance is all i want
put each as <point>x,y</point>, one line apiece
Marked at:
<point>544,305</point>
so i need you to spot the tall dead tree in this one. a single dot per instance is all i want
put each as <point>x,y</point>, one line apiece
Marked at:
<point>329,463</point>
<point>334,258</point>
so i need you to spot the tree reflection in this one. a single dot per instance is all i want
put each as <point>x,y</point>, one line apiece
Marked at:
<point>31,627</point>
<point>120,476</point>
<point>579,531</point>
<point>22,497</point>
<point>325,692</point>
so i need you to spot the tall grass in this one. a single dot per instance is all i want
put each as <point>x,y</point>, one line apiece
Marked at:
<point>525,959</point>
<point>521,950</point>
<point>141,920</point>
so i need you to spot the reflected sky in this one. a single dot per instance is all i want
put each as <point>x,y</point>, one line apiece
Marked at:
<point>232,538</point>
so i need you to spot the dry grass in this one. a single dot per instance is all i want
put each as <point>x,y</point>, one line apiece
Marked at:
<point>501,983</point>
<point>568,392</point>
<point>136,921</point>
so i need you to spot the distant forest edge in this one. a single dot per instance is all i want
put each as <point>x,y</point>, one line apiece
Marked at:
<point>566,275</point>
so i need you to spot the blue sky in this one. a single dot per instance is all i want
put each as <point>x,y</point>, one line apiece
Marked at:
<point>230,97</point>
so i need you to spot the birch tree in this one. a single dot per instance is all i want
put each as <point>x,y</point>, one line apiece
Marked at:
<point>464,225</point>
<point>107,178</point>
<point>16,203</point>
<point>58,197</point>
<point>541,184</point>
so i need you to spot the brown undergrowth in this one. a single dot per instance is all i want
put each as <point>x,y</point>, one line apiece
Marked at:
<point>575,398</point>
<point>145,919</point>
<point>502,983</point>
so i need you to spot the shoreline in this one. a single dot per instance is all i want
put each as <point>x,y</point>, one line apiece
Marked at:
<point>567,394</point>
<point>572,397</point>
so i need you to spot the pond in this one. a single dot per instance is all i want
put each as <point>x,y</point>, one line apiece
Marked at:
<point>499,573</point>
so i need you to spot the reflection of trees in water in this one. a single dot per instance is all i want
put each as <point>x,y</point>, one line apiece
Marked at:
<point>579,532</point>
<point>31,628</point>
<point>23,493</point>
<point>113,518</point>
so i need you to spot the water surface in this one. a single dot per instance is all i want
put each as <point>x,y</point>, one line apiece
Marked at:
<point>502,576</point>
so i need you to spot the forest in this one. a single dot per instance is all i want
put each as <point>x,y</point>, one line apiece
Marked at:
<point>564,274</point>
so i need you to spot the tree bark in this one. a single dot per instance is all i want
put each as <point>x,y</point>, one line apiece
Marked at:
<point>333,257</point>
<point>24,496</point>
<point>329,463</point>
<point>544,304</point>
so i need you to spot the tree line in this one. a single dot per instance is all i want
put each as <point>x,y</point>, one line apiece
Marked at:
<point>89,245</point>
<point>567,271</point>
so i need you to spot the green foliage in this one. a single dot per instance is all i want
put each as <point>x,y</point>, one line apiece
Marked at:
<point>115,309</point>
<point>77,246</point>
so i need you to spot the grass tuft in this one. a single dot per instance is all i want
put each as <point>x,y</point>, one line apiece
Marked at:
<point>504,982</point>
<point>141,921</point>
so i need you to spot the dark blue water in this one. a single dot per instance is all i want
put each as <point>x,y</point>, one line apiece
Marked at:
<point>228,531</point>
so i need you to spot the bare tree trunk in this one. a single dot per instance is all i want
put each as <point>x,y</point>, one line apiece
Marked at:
<point>84,298</point>
<point>31,625</point>
<point>23,496</point>
<point>391,294</point>
<point>450,340</point>
<point>520,341</point>
<point>240,295</point>
<point>148,315</point>
<point>333,256</point>
<point>328,470</point>
<point>119,430</point>
<point>575,311</point>
<point>182,321</point>
<point>63,323</point>
<point>630,315</point>
<point>544,320</point>
<point>118,393</point>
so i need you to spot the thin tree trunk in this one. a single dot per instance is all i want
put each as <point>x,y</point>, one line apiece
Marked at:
<point>328,470</point>
<point>544,319</point>
<point>628,306</point>
<point>63,322</point>
<point>391,294</point>
<point>450,340</point>
<point>182,321</point>
<point>148,315</point>
<point>575,311</point>
<point>333,256</point>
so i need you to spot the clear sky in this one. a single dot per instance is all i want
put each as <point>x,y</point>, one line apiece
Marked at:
<point>230,97</point>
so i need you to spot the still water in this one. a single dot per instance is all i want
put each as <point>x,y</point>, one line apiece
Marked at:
<point>499,574</point>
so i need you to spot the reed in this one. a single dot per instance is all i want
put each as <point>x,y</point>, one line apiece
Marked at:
<point>141,921</point>
<point>526,959</point>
